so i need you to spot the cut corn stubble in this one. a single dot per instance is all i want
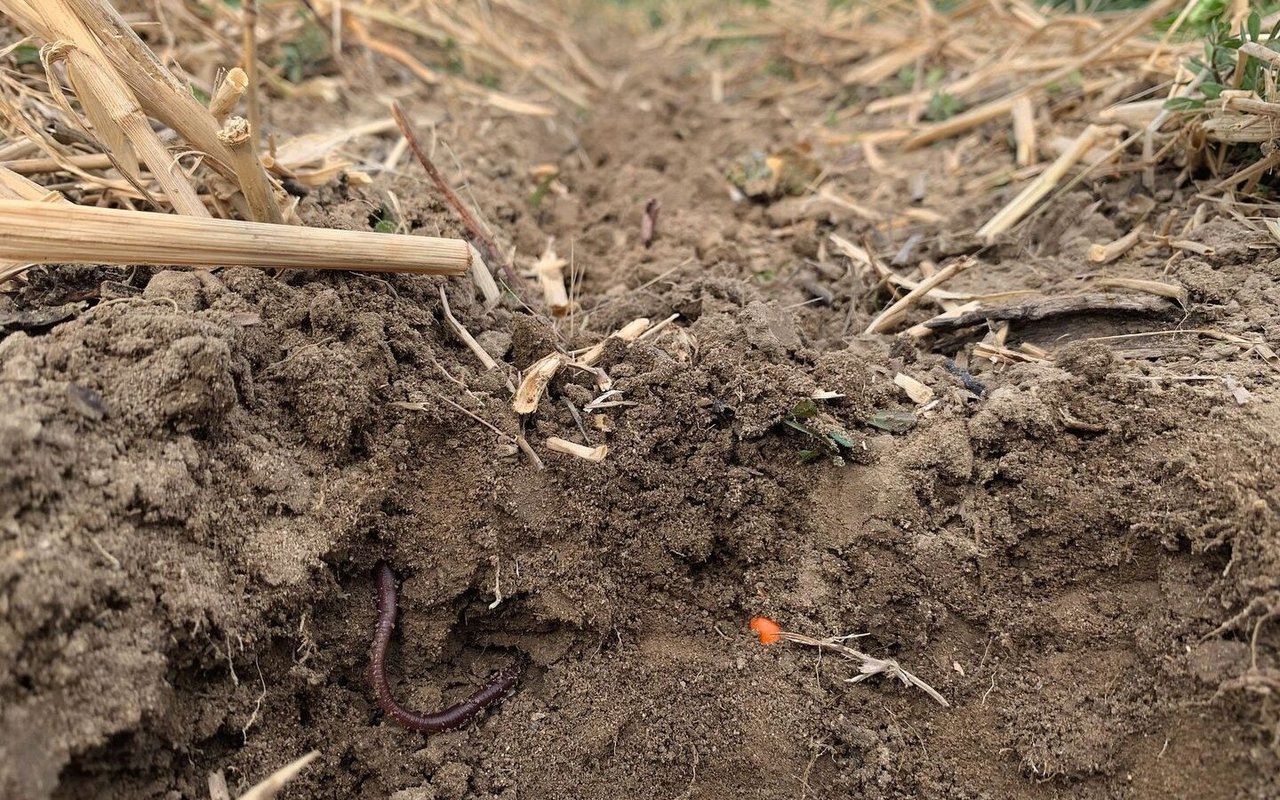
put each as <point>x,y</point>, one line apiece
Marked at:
<point>62,233</point>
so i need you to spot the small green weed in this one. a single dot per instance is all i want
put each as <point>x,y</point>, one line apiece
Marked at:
<point>1222,54</point>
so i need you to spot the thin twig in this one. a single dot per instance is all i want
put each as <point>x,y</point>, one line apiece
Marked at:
<point>492,254</point>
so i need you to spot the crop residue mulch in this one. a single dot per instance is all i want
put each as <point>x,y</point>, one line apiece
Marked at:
<point>1079,551</point>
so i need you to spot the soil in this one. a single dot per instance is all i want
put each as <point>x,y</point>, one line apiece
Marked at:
<point>199,472</point>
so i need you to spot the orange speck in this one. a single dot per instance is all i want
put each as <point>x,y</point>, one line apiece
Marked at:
<point>768,630</point>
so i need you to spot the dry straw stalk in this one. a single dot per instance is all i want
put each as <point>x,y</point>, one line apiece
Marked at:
<point>61,233</point>
<point>238,136</point>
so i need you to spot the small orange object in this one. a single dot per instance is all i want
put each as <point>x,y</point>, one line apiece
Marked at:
<point>768,630</point>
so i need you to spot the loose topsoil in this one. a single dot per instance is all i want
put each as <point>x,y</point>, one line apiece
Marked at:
<point>199,472</point>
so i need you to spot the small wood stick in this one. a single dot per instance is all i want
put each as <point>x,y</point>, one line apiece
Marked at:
<point>528,450</point>
<point>656,329</point>
<point>917,391</point>
<point>891,314</point>
<point>274,782</point>
<point>483,279</point>
<point>549,270</point>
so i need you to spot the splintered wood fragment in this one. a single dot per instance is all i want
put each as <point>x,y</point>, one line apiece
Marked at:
<point>1138,114</point>
<point>1018,208</point>
<point>1035,352</point>
<point>593,454</point>
<point>535,381</point>
<point>1106,253</point>
<point>1024,130</point>
<point>1172,291</point>
<point>627,333</point>
<point>98,26</point>
<point>63,233</point>
<point>1053,307</point>
<point>1076,425</point>
<point>999,354</point>
<point>891,315</point>
<point>218,786</point>
<point>118,122</point>
<point>884,66</point>
<point>917,391</point>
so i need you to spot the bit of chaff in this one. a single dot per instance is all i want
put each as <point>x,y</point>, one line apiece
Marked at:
<point>868,665</point>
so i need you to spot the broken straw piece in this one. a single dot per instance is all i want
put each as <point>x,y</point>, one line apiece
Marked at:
<point>593,454</point>
<point>917,391</point>
<point>535,380</point>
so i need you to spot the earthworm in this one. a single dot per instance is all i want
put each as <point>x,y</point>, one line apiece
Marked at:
<point>452,717</point>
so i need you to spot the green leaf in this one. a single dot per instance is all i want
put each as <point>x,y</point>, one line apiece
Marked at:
<point>841,438</point>
<point>1211,90</point>
<point>805,429</point>
<point>1183,104</point>
<point>1254,25</point>
<point>942,106</point>
<point>26,54</point>
<point>807,456</point>
<point>804,409</point>
<point>892,421</point>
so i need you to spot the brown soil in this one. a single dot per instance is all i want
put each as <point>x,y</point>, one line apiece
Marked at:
<point>198,473</point>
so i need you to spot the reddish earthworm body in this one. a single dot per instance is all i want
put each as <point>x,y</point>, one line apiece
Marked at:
<point>446,720</point>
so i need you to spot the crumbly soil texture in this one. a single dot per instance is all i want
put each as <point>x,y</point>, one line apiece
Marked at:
<point>199,472</point>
